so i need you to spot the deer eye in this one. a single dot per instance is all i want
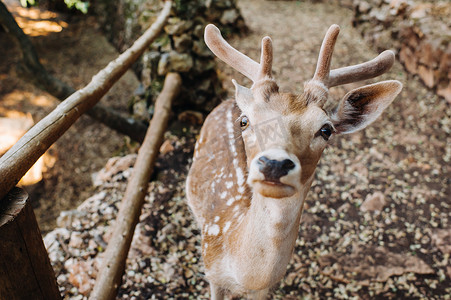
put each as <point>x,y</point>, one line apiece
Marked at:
<point>326,131</point>
<point>244,123</point>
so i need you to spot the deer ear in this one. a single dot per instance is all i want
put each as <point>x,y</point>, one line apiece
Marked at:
<point>362,106</point>
<point>243,96</point>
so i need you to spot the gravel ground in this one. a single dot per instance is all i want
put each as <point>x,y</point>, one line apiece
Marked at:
<point>377,224</point>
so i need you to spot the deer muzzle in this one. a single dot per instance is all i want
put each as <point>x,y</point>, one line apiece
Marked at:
<point>275,173</point>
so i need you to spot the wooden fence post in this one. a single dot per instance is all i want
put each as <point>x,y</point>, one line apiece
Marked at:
<point>113,264</point>
<point>25,269</point>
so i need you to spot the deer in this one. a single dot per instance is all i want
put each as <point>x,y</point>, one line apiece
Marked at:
<point>247,184</point>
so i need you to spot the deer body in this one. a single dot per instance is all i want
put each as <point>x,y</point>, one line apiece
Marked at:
<point>255,159</point>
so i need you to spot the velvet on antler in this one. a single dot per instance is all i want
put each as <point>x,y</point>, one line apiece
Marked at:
<point>237,60</point>
<point>323,79</point>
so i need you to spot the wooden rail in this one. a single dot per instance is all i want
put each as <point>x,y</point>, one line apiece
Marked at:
<point>21,157</point>
<point>113,264</point>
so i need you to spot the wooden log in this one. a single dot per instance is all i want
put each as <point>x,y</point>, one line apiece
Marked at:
<point>113,264</point>
<point>25,269</point>
<point>19,159</point>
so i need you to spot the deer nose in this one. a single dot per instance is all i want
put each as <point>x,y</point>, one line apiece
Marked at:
<point>274,169</point>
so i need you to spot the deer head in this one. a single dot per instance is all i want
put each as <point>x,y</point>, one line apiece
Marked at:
<point>279,167</point>
<point>275,140</point>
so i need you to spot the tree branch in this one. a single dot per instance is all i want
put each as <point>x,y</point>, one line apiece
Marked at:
<point>35,72</point>
<point>17,160</point>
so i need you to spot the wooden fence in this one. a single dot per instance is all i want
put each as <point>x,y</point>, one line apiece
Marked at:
<point>26,272</point>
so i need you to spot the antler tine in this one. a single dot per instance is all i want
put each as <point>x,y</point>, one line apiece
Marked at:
<point>370,69</point>
<point>325,54</point>
<point>240,62</point>
<point>266,58</point>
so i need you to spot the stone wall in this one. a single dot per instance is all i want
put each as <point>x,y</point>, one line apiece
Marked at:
<point>419,30</point>
<point>179,48</point>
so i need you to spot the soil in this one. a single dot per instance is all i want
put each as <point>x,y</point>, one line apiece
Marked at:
<point>401,251</point>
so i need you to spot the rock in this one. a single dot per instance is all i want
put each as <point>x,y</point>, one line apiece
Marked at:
<point>199,31</point>
<point>182,43</point>
<point>140,110</point>
<point>420,11</point>
<point>191,117</point>
<point>363,7</point>
<point>66,218</point>
<point>419,30</point>
<point>445,92</point>
<point>166,147</point>
<point>229,16</point>
<point>442,239</point>
<point>408,59</point>
<point>203,65</point>
<point>381,14</point>
<point>81,275</point>
<point>76,241</point>
<point>176,26</point>
<point>429,54</point>
<point>397,7</point>
<point>114,166</point>
<point>427,75</point>
<point>176,62</point>
<point>201,49</point>
<point>373,202</point>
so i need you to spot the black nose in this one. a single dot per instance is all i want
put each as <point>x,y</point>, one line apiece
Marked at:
<point>274,169</point>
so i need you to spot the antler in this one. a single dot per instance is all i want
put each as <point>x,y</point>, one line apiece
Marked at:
<point>240,62</point>
<point>325,55</point>
<point>370,69</point>
<point>323,78</point>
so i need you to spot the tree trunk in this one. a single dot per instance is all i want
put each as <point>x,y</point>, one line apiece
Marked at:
<point>25,269</point>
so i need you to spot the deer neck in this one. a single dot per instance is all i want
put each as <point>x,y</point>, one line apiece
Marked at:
<point>268,230</point>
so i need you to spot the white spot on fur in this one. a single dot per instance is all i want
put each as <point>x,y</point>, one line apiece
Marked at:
<point>216,219</point>
<point>230,201</point>
<point>227,226</point>
<point>223,195</point>
<point>239,171</point>
<point>240,176</point>
<point>214,229</point>
<point>229,184</point>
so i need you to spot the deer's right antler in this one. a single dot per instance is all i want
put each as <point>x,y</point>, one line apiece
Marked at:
<point>370,69</point>
<point>323,79</point>
<point>237,60</point>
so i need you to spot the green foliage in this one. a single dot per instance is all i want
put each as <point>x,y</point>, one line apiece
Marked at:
<point>77,4</point>
<point>26,3</point>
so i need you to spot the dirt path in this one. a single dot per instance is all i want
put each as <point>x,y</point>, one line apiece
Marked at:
<point>73,55</point>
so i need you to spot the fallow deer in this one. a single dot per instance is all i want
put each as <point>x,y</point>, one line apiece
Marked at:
<point>247,189</point>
